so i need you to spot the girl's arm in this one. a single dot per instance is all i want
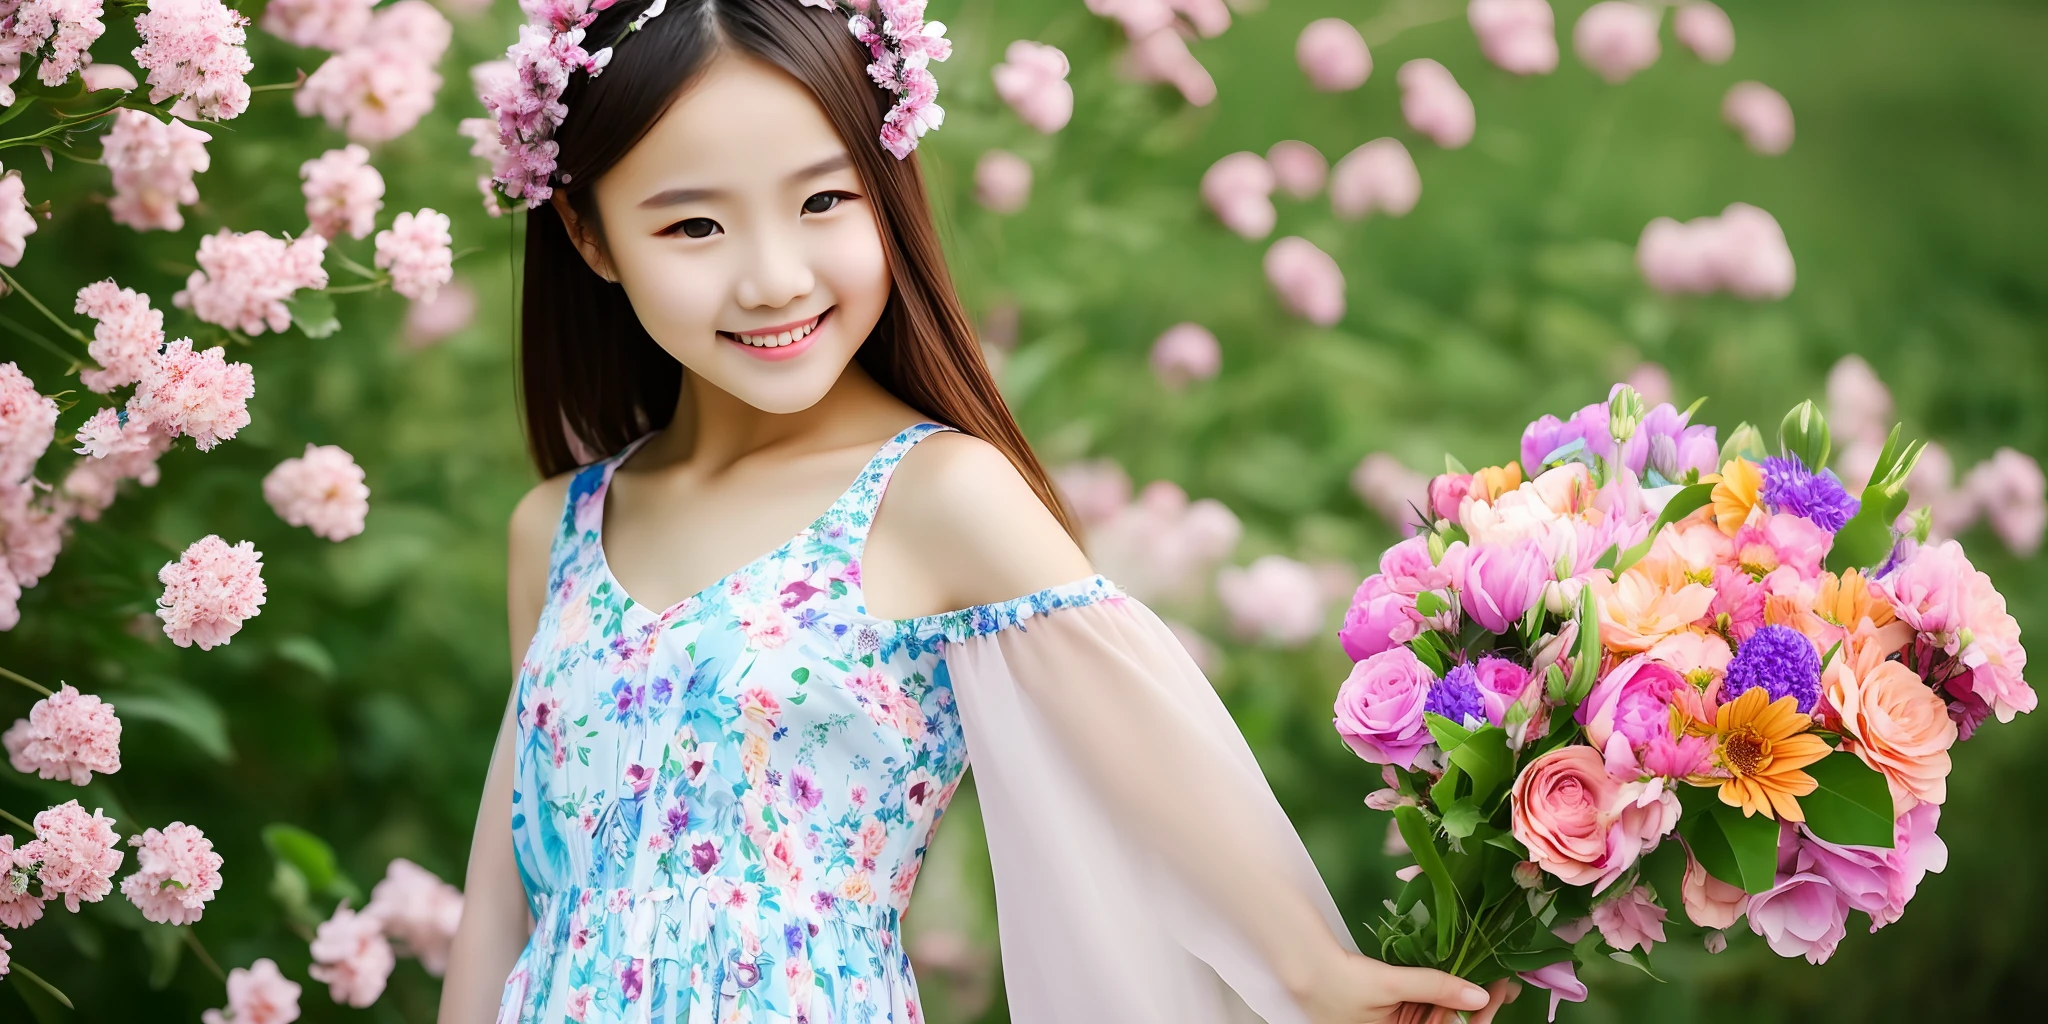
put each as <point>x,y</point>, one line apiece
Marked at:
<point>495,924</point>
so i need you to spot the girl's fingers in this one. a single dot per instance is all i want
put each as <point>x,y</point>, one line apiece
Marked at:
<point>1500,993</point>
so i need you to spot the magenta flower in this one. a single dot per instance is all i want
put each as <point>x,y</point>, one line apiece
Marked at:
<point>177,873</point>
<point>193,49</point>
<point>1803,915</point>
<point>322,490</point>
<point>320,24</point>
<point>351,954</point>
<point>416,249</point>
<point>1434,104</point>
<point>1032,79</point>
<point>1308,282</point>
<point>127,337</point>
<point>198,394</point>
<point>343,192</point>
<point>419,911</point>
<point>1379,618</point>
<point>153,163</point>
<point>244,278</point>
<point>67,735</point>
<point>1502,582</point>
<point>77,852</point>
<point>16,223</point>
<point>1379,708</point>
<point>1379,175</point>
<point>1501,684</point>
<point>1333,55</point>
<point>209,591</point>
<point>259,994</point>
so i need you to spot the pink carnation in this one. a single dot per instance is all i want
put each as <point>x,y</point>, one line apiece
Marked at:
<point>244,278</point>
<point>67,27</point>
<point>343,192</point>
<point>261,994</point>
<point>1032,79</point>
<point>177,872</point>
<point>351,954</point>
<point>198,394</point>
<point>126,339</point>
<point>322,490</point>
<point>416,249</point>
<point>193,49</point>
<point>1434,104</point>
<point>78,854</point>
<point>16,223</point>
<point>153,164</point>
<point>116,451</point>
<point>67,735</point>
<point>209,590</point>
<point>321,24</point>
<point>419,910</point>
<point>19,905</point>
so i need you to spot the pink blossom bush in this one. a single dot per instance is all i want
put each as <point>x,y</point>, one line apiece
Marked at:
<point>1185,352</point>
<point>177,873</point>
<point>153,164</point>
<point>416,248</point>
<point>1390,488</point>
<point>1032,79</point>
<point>244,278</point>
<point>1238,190</point>
<point>28,423</point>
<point>193,49</point>
<point>16,223</point>
<point>343,192</point>
<point>351,954</point>
<point>1705,30</point>
<point>322,490</point>
<point>321,24</point>
<point>1742,251</point>
<point>380,86</point>
<point>419,911</point>
<point>127,337</point>
<point>1434,104</point>
<point>258,994</point>
<point>59,31</point>
<point>1333,55</point>
<point>1617,38</point>
<point>209,591</point>
<point>450,310</point>
<point>1518,36</point>
<point>2011,491</point>
<point>1307,281</point>
<point>77,854</point>
<point>67,735</point>
<point>1002,181</point>
<point>1276,600</point>
<point>1761,115</point>
<point>197,394</point>
<point>1379,175</point>
<point>1299,169</point>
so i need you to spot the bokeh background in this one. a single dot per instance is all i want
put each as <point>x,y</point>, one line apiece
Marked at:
<point>360,705</point>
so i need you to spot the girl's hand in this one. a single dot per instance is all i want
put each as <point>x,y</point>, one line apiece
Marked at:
<point>1360,990</point>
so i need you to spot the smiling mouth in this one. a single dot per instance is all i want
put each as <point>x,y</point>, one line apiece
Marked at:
<point>778,336</point>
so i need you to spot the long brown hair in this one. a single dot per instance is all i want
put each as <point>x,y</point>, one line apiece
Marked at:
<point>588,367</point>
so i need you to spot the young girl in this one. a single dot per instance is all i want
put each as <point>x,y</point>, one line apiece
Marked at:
<point>738,719</point>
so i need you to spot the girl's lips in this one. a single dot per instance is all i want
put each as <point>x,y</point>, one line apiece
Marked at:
<point>789,351</point>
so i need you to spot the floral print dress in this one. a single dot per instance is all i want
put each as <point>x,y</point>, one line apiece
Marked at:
<point>720,807</point>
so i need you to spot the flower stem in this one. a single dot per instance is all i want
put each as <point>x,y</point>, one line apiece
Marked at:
<point>24,826</point>
<point>26,681</point>
<point>22,969</point>
<point>45,310</point>
<point>199,950</point>
<point>350,288</point>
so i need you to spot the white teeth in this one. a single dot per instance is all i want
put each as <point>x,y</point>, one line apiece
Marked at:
<point>778,340</point>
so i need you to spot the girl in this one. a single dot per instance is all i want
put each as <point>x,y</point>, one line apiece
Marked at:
<point>711,793</point>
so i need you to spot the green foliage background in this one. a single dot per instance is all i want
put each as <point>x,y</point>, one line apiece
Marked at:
<point>360,705</point>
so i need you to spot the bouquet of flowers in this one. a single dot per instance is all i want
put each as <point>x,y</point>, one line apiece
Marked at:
<point>1641,682</point>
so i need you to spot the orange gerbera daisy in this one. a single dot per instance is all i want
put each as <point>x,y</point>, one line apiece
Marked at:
<point>1493,481</point>
<point>1764,746</point>
<point>1737,489</point>
<point>1847,600</point>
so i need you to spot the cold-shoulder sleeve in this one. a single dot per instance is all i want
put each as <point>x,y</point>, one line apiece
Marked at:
<point>1134,841</point>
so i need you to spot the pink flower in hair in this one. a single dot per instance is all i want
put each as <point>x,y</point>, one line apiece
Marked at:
<point>178,872</point>
<point>321,24</point>
<point>416,249</point>
<point>1379,175</point>
<point>125,340</point>
<point>198,394</point>
<point>67,735</point>
<point>243,279</point>
<point>1308,282</point>
<point>322,490</point>
<point>153,164</point>
<point>1617,38</point>
<point>343,192</point>
<point>193,49</point>
<point>78,854</point>
<point>1434,104</point>
<point>419,910</point>
<point>351,954</point>
<point>260,994</point>
<point>209,591</point>
<point>1333,55</point>
<point>1518,36</point>
<point>16,223</point>
<point>1032,79</point>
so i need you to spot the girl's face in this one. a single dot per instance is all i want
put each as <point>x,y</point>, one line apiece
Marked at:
<point>743,237</point>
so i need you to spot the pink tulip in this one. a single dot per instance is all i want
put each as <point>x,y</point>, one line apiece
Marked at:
<point>1390,488</point>
<point>1238,189</point>
<point>1501,583</point>
<point>1561,979</point>
<point>1307,280</point>
<point>1761,115</point>
<point>1519,36</point>
<point>1298,168</point>
<point>1706,31</point>
<point>1434,104</point>
<point>1002,181</point>
<point>1616,38</point>
<point>1033,80</point>
<point>1803,915</point>
<point>1186,352</point>
<point>1379,175</point>
<point>2010,489</point>
<point>1333,55</point>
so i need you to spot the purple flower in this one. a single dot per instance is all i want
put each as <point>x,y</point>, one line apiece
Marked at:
<point>678,818</point>
<point>1547,435</point>
<point>747,973</point>
<point>1791,488</point>
<point>703,857</point>
<point>823,901</point>
<point>627,700</point>
<point>664,688</point>
<point>1457,698</point>
<point>803,788</point>
<point>1782,661</point>
<point>1668,446</point>
<point>632,978</point>
<point>793,938</point>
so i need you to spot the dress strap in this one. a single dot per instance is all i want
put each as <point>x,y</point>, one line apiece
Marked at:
<point>864,498</point>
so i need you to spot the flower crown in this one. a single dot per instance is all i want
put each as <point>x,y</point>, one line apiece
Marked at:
<point>528,102</point>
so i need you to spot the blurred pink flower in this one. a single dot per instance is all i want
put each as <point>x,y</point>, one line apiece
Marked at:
<point>177,872</point>
<point>1519,36</point>
<point>1159,546</point>
<point>1755,263</point>
<point>1630,920</point>
<point>378,88</point>
<point>1097,490</point>
<point>1761,115</point>
<point>1307,281</point>
<point>107,76</point>
<point>193,49</point>
<point>351,954</point>
<point>1379,175</point>
<point>28,423</point>
<point>1298,168</point>
<point>1204,654</point>
<point>452,308</point>
<point>1333,55</point>
<point>1185,352</point>
<point>1002,181</point>
<point>416,248</point>
<point>1561,980</point>
<point>244,279</point>
<point>1803,915</point>
<point>322,490</point>
<point>1859,405</point>
<point>343,192</point>
<point>260,994</point>
<point>198,394</point>
<point>67,735</point>
<point>1032,79</point>
<point>77,852</point>
<point>1239,189</point>
<point>127,337</point>
<point>121,451</point>
<point>16,223</point>
<point>20,905</point>
<point>1742,251</point>
<point>419,910</point>
<point>1617,38</point>
<point>1390,488</point>
<point>1434,104</point>
<point>321,24</point>
<point>152,164</point>
<point>1705,30</point>
<point>2010,489</point>
<point>1163,56</point>
<point>1276,600</point>
<point>209,591</point>
<point>1652,381</point>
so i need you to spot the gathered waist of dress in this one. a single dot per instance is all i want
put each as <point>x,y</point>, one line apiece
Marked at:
<point>654,922</point>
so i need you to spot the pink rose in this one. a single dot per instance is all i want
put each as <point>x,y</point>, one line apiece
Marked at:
<point>1633,699</point>
<point>1377,620</point>
<point>1501,684</point>
<point>1803,915</point>
<point>1580,824</point>
<point>1630,919</point>
<point>1379,707</point>
<point>1710,902</point>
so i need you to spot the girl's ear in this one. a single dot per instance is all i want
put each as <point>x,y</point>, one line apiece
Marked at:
<point>585,236</point>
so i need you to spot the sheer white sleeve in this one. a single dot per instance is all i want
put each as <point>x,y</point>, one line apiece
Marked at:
<point>1139,855</point>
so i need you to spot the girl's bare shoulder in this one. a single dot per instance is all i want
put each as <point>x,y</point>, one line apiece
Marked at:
<point>983,535</point>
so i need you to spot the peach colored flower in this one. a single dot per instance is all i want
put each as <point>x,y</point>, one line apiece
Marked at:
<point>351,954</point>
<point>1710,902</point>
<point>1581,825</point>
<point>1896,723</point>
<point>1648,603</point>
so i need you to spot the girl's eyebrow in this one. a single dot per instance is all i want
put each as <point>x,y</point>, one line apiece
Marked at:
<point>677,196</point>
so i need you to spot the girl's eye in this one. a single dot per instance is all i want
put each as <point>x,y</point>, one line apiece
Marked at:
<point>694,227</point>
<point>824,201</point>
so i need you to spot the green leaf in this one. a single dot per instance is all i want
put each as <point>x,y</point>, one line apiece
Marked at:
<point>188,711</point>
<point>1461,819</point>
<point>1484,756</point>
<point>1445,792</point>
<point>1687,501</point>
<point>1415,832</point>
<point>309,654</point>
<point>1428,648</point>
<point>311,857</point>
<point>1428,604</point>
<point>1411,893</point>
<point>801,675</point>
<point>1737,849</point>
<point>1637,959</point>
<point>1448,734</point>
<point>165,943</point>
<point>313,313</point>
<point>1852,805</point>
<point>1509,843</point>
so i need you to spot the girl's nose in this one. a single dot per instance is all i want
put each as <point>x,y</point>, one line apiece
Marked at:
<point>777,275</point>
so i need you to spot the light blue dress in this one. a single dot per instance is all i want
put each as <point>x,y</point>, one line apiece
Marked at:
<point>720,807</point>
